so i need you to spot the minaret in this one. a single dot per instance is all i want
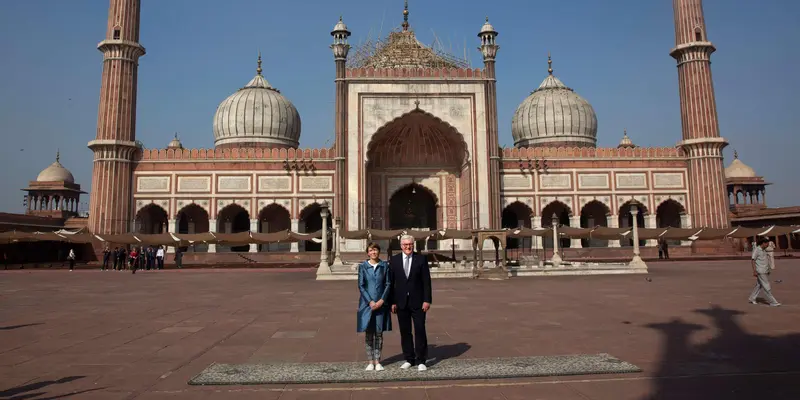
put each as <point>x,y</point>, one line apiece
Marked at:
<point>489,49</point>
<point>114,147</point>
<point>708,203</point>
<point>340,49</point>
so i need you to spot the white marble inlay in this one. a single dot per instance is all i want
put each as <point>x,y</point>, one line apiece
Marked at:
<point>152,184</point>
<point>194,184</point>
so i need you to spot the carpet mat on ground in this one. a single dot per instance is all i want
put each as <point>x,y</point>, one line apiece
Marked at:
<point>447,369</point>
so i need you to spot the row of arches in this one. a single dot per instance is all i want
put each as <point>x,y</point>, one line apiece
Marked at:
<point>232,219</point>
<point>593,214</point>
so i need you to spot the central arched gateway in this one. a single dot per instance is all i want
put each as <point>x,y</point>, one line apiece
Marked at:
<point>418,175</point>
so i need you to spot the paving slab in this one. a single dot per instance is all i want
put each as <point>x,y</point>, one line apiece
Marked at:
<point>688,326</point>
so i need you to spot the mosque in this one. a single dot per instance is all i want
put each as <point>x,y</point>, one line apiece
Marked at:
<point>416,146</point>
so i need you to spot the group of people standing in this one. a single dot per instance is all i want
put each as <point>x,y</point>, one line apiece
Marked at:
<point>401,286</point>
<point>148,257</point>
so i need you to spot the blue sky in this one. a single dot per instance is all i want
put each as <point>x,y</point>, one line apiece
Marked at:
<point>612,52</point>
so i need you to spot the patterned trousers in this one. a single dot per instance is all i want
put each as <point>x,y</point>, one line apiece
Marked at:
<point>374,344</point>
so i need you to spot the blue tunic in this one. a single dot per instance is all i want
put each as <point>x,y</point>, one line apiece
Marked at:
<point>373,284</point>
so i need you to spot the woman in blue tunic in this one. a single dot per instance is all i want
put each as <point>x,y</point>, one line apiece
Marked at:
<point>374,316</point>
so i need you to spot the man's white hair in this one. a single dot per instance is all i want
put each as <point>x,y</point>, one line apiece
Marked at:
<point>408,238</point>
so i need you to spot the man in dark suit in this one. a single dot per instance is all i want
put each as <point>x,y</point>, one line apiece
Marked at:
<point>411,298</point>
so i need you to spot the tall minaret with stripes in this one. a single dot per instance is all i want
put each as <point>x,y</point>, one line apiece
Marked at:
<point>115,145</point>
<point>702,143</point>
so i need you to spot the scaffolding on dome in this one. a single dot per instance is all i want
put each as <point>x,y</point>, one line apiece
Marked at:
<point>401,49</point>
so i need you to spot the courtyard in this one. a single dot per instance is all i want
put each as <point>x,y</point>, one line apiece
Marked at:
<point>90,334</point>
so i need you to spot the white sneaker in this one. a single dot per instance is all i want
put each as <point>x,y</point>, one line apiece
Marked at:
<point>379,367</point>
<point>370,367</point>
<point>422,367</point>
<point>406,365</point>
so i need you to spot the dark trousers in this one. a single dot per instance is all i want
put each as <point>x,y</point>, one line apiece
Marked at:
<point>160,262</point>
<point>106,259</point>
<point>414,353</point>
<point>71,263</point>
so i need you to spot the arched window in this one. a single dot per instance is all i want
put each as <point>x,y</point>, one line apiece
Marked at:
<point>116,33</point>
<point>698,35</point>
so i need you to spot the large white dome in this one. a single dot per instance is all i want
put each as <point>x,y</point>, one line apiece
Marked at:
<point>257,115</point>
<point>554,115</point>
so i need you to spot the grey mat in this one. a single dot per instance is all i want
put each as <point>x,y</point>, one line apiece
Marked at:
<point>449,369</point>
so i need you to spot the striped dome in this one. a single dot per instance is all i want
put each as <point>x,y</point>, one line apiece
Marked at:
<point>554,115</point>
<point>257,115</point>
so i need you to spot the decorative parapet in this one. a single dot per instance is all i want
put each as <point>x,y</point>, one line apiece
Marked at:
<point>453,73</point>
<point>234,154</point>
<point>513,154</point>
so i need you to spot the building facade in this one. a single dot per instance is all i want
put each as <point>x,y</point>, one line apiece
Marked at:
<point>416,146</point>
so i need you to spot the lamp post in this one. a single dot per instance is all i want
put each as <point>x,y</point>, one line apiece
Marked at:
<point>556,260</point>
<point>637,261</point>
<point>337,243</point>
<point>324,268</point>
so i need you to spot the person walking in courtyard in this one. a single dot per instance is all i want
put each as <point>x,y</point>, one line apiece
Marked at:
<point>106,257</point>
<point>663,249</point>
<point>373,305</point>
<point>771,254</point>
<point>178,257</point>
<point>71,258</point>
<point>411,299</point>
<point>761,268</point>
<point>160,257</point>
<point>134,257</point>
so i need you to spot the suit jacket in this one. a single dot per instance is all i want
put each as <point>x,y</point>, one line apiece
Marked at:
<point>410,292</point>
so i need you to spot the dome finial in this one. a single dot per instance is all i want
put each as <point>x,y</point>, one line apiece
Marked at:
<point>405,17</point>
<point>176,135</point>
<point>549,64</point>
<point>58,155</point>
<point>487,18</point>
<point>735,155</point>
<point>258,70</point>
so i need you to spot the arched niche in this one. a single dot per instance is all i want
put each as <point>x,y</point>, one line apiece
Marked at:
<point>413,207</point>
<point>310,222</point>
<point>517,215</point>
<point>274,218</point>
<point>563,212</point>
<point>233,219</point>
<point>151,219</point>
<point>594,213</point>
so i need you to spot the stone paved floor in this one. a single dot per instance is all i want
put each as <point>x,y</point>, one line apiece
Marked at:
<point>113,335</point>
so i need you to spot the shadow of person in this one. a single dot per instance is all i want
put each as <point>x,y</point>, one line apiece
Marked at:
<point>12,327</point>
<point>734,364</point>
<point>436,353</point>
<point>36,386</point>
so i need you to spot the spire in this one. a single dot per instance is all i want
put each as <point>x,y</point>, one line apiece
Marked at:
<point>405,17</point>
<point>176,135</point>
<point>549,64</point>
<point>735,155</point>
<point>58,155</point>
<point>258,70</point>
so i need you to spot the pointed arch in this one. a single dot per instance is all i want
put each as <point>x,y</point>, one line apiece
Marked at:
<point>414,207</point>
<point>517,215</point>
<point>417,138</point>
<point>233,218</point>
<point>563,213</point>
<point>594,213</point>
<point>151,218</point>
<point>311,221</point>
<point>274,218</point>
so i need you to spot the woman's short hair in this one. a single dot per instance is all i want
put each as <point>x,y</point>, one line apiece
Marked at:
<point>373,245</point>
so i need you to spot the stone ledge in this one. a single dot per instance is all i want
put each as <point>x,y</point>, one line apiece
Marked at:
<point>447,369</point>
